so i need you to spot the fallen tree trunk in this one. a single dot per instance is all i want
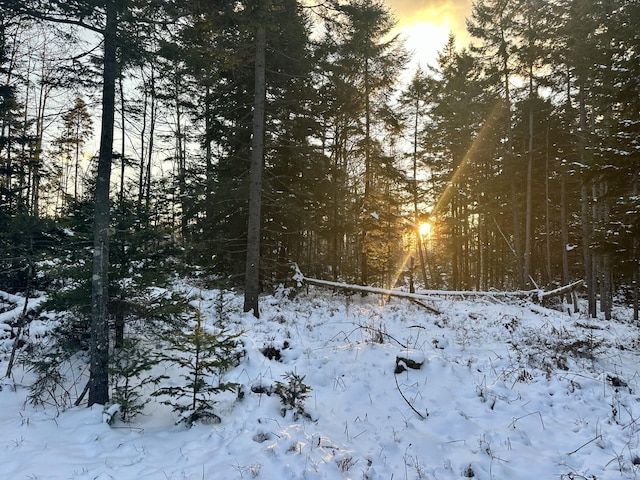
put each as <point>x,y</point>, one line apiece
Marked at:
<point>431,295</point>
<point>562,290</point>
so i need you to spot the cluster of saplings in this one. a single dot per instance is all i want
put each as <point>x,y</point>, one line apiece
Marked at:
<point>163,333</point>
<point>172,337</point>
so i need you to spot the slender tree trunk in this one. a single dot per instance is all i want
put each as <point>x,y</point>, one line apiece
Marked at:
<point>152,127</point>
<point>517,229</point>
<point>547,212</point>
<point>586,248</point>
<point>364,259</point>
<point>143,139</point>
<point>180,159</point>
<point>99,348</point>
<point>37,161</point>
<point>564,228</point>
<point>123,162</point>
<point>584,200</point>
<point>529,207</point>
<point>252,271</point>
<point>455,240</point>
<point>606,297</point>
<point>416,219</point>
<point>76,166</point>
<point>210,173</point>
<point>636,262</point>
<point>336,177</point>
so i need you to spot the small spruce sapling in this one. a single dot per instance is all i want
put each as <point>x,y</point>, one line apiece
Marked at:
<point>129,368</point>
<point>202,357</point>
<point>58,362</point>
<point>293,394</point>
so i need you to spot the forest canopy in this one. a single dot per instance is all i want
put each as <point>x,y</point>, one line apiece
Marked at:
<point>519,150</point>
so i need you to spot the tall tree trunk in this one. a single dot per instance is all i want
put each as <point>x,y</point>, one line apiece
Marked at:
<point>517,230</point>
<point>335,178</point>
<point>416,218</point>
<point>252,271</point>
<point>210,171</point>
<point>142,140</point>
<point>547,212</point>
<point>529,206</point>
<point>99,348</point>
<point>606,295</point>
<point>586,249</point>
<point>37,154</point>
<point>564,228</point>
<point>584,200</point>
<point>564,232</point>
<point>636,264</point>
<point>152,129</point>
<point>364,259</point>
<point>123,163</point>
<point>455,240</point>
<point>181,160</point>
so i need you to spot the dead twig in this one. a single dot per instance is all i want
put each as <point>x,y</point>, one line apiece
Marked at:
<point>395,377</point>
<point>597,437</point>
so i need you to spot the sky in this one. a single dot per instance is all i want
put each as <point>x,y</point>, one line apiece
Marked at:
<point>426,24</point>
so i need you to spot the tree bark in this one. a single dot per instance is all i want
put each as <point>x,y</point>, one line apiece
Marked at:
<point>529,205</point>
<point>564,227</point>
<point>547,212</point>
<point>99,348</point>
<point>636,265</point>
<point>252,271</point>
<point>416,219</point>
<point>152,126</point>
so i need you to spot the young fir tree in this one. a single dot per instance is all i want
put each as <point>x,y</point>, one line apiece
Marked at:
<point>202,354</point>
<point>130,373</point>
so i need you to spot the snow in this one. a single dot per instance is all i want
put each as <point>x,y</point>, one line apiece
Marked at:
<point>504,391</point>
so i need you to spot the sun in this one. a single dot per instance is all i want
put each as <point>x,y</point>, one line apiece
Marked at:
<point>424,39</point>
<point>425,229</point>
<point>425,26</point>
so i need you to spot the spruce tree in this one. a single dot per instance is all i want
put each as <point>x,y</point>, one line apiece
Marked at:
<point>203,353</point>
<point>371,62</point>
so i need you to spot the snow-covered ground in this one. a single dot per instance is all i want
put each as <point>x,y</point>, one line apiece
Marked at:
<point>505,391</point>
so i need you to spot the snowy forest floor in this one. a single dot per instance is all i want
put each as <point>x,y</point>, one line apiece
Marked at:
<point>506,390</point>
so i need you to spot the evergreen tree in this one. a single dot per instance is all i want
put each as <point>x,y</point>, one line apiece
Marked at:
<point>203,356</point>
<point>371,63</point>
<point>415,101</point>
<point>459,112</point>
<point>76,130</point>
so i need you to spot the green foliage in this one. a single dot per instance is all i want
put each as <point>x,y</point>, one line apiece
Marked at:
<point>25,240</point>
<point>129,370</point>
<point>141,261</point>
<point>202,353</point>
<point>58,362</point>
<point>293,394</point>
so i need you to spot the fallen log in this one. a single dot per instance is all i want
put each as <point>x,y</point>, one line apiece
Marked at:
<point>418,298</point>
<point>562,290</point>
<point>536,295</point>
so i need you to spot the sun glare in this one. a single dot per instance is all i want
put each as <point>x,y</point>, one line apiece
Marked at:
<point>425,39</point>
<point>425,229</point>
